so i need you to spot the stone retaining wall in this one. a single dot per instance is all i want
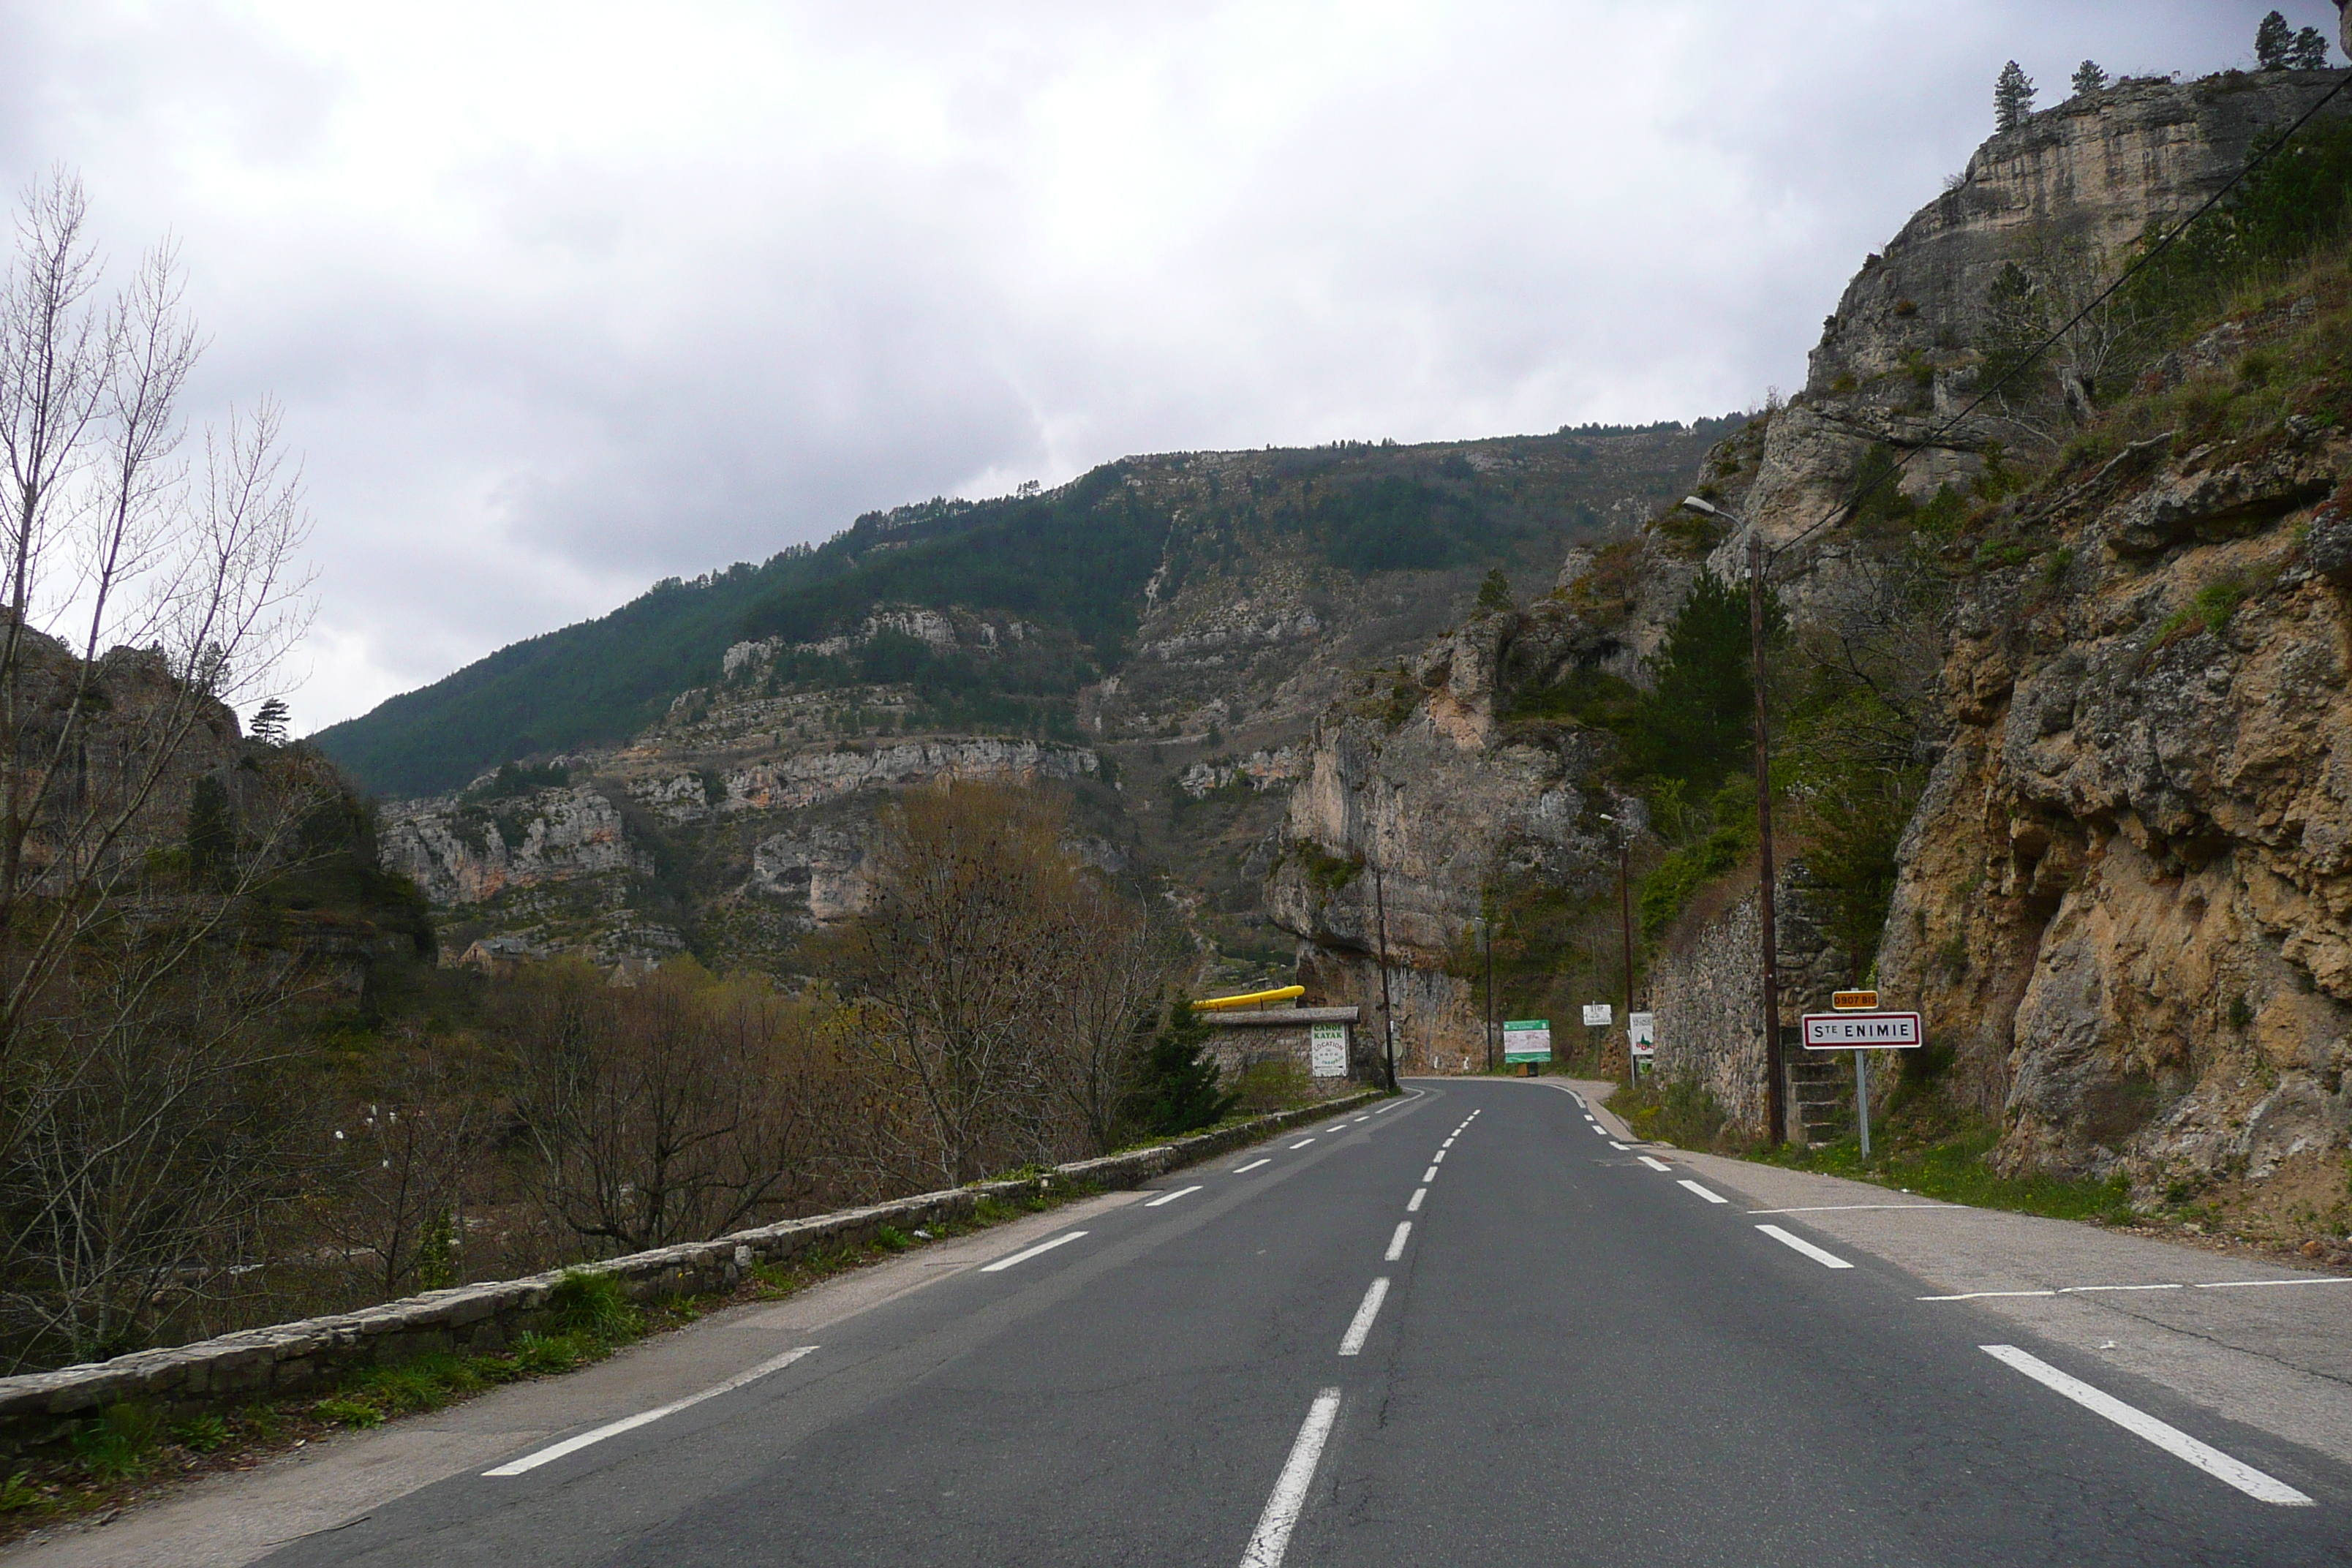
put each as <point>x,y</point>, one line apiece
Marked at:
<point>1708,996</point>
<point>312,1355</point>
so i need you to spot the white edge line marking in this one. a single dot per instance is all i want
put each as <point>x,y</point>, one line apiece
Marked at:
<point>1396,1242</point>
<point>628,1423</point>
<point>1359,1327</point>
<point>1429,1175</point>
<point>2239,1284</point>
<point>2139,1423</point>
<point>1713,1198</point>
<point>1655,1164</point>
<point>1826,1259</point>
<point>1614,1144</point>
<point>1414,1205</point>
<point>1843,1206</point>
<point>1171,1197</point>
<point>1302,1143</point>
<point>1272,1537</point>
<point>2090,1289</point>
<point>1253,1165</point>
<point>1027,1253</point>
<point>1603,1131</point>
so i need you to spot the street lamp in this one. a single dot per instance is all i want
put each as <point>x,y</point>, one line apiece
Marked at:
<point>1775,1090</point>
<point>1625,919</point>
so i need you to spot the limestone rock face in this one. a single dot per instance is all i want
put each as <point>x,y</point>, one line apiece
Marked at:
<point>1424,783</point>
<point>2126,900</point>
<point>1898,359</point>
<point>459,853</point>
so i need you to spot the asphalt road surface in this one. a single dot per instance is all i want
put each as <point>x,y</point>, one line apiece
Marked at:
<point>1475,1327</point>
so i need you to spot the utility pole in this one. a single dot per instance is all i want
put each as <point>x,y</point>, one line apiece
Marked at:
<point>1625,928</point>
<point>1487,950</point>
<point>1776,1088</point>
<point>1387,1021</point>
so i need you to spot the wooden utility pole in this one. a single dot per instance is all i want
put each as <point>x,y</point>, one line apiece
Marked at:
<point>1776,1110</point>
<point>1625,919</point>
<point>1388,1023</point>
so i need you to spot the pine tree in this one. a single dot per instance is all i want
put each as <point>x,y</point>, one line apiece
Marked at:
<point>2309,51</point>
<point>2012,97</point>
<point>1495,593</point>
<point>2089,78</point>
<point>2274,40</point>
<point>1177,1089</point>
<point>269,722</point>
<point>1695,723</point>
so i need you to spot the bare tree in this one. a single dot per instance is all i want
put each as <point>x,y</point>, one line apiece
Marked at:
<point>672,1111</point>
<point>144,595</point>
<point>397,1167</point>
<point>1115,963</point>
<point>956,955</point>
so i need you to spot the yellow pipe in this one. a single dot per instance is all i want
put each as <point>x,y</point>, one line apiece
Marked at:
<point>1280,993</point>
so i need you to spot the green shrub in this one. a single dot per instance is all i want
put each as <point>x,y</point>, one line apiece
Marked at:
<point>119,1443</point>
<point>589,1303</point>
<point>19,1495</point>
<point>547,1353</point>
<point>890,1238</point>
<point>201,1434</point>
<point>342,1412</point>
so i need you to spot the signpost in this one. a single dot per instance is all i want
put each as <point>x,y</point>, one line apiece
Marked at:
<point>1597,1016</point>
<point>1326,1049</point>
<point>1527,1041</point>
<point>1641,1029</point>
<point>1859,1032</point>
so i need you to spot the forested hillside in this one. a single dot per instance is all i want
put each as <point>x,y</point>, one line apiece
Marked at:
<point>1078,563</point>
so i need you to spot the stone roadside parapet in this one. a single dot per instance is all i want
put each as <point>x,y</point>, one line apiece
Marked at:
<point>314,1353</point>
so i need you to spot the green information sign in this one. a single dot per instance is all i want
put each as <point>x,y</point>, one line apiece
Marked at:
<point>1527,1041</point>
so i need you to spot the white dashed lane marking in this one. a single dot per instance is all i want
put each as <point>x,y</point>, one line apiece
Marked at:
<point>1712,1197</point>
<point>1799,1244</point>
<point>1656,1164</point>
<point>1171,1197</point>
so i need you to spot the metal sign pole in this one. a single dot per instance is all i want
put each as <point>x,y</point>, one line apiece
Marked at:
<point>1862,1097</point>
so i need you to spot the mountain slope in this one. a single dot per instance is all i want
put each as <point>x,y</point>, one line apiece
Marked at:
<point>1084,564</point>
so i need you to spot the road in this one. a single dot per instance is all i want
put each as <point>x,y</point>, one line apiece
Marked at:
<point>1476,1326</point>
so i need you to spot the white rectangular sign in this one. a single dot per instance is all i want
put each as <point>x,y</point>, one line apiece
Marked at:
<point>1527,1041</point>
<point>1861,1031</point>
<point>1643,1028</point>
<point>1597,1015</point>
<point>1326,1049</point>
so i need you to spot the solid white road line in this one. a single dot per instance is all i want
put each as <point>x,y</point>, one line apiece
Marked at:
<point>1614,1144</point>
<point>1360,1326</point>
<point>613,1428</point>
<point>1712,1197</point>
<point>2171,1439</point>
<point>1414,1206</point>
<point>1272,1537</point>
<point>1656,1164</point>
<point>1302,1143</point>
<point>1826,1259</point>
<point>1027,1253</point>
<point>1171,1197</point>
<point>1396,1242</point>
<point>1429,1175</point>
<point>1845,1207</point>
<point>1254,1165</point>
<point>2093,1289</point>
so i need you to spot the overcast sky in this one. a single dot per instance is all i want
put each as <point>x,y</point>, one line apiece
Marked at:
<point>564,297</point>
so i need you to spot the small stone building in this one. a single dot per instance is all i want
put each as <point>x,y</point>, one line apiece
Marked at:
<point>1247,1039</point>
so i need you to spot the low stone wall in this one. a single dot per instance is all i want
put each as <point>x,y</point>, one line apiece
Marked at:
<point>312,1354</point>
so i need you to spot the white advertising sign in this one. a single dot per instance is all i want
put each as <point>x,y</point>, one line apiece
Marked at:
<point>1597,1015</point>
<point>1645,1029</point>
<point>1861,1031</point>
<point>1326,1049</point>
<point>1527,1041</point>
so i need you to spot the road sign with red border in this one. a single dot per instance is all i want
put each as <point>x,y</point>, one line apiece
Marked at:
<point>1861,1031</point>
